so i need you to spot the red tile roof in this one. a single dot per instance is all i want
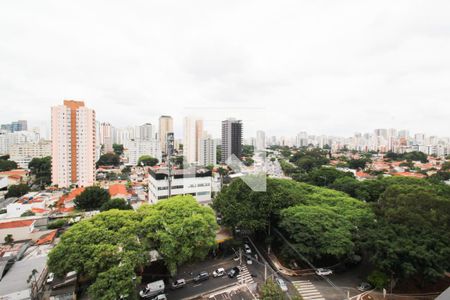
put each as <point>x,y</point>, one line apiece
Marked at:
<point>71,196</point>
<point>38,210</point>
<point>47,238</point>
<point>18,172</point>
<point>409,174</point>
<point>117,189</point>
<point>16,224</point>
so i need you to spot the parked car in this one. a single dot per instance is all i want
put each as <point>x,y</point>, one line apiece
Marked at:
<point>152,289</point>
<point>179,283</point>
<point>50,277</point>
<point>202,276</point>
<point>247,248</point>
<point>160,297</point>
<point>281,284</point>
<point>323,272</point>
<point>364,286</point>
<point>219,272</point>
<point>233,272</point>
<point>249,260</point>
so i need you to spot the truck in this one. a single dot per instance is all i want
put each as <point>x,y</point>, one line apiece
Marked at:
<point>152,289</point>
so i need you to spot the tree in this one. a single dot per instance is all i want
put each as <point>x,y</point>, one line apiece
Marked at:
<point>445,166</point>
<point>248,150</point>
<point>7,165</point>
<point>324,176</point>
<point>28,213</point>
<point>109,159</point>
<point>271,291</point>
<point>412,234</point>
<point>147,160</point>
<point>118,149</point>
<point>318,231</point>
<point>124,283</point>
<point>357,163</point>
<point>116,203</point>
<point>17,190</point>
<point>180,228</point>
<point>107,248</point>
<point>9,240</point>
<point>41,168</point>
<point>92,198</point>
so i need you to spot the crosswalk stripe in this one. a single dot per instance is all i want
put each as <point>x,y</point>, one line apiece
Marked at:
<point>314,293</point>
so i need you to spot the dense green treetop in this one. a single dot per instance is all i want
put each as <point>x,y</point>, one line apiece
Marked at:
<point>17,190</point>
<point>147,160</point>
<point>109,159</point>
<point>7,165</point>
<point>108,248</point>
<point>41,168</point>
<point>92,198</point>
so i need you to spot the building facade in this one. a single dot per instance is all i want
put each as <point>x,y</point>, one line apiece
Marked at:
<point>195,182</point>
<point>207,152</point>
<point>165,126</point>
<point>231,139</point>
<point>73,144</point>
<point>137,148</point>
<point>23,153</point>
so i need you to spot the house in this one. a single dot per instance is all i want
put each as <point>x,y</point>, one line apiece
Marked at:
<point>15,176</point>
<point>19,229</point>
<point>119,190</point>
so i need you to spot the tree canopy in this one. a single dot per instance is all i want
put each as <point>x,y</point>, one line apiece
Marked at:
<point>109,159</point>
<point>147,160</point>
<point>7,165</point>
<point>412,234</point>
<point>17,190</point>
<point>41,168</point>
<point>110,247</point>
<point>118,149</point>
<point>92,198</point>
<point>116,203</point>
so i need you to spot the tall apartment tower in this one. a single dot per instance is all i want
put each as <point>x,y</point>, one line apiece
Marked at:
<point>165,126</point>
<point>207,151</point>
<point>105,137</point>
<point>73,144</point>
<point>146,132</point>
<point>192,134</point>
<point>260,140</point>
<point>231,139</point>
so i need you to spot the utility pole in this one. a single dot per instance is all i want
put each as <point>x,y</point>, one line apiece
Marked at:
<point>265,272</point>
<point>170,147</point>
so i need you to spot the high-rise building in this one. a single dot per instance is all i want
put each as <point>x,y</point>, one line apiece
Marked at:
<point>23,153</point>
<point>73,144</point>
<point>165,126</point>
<point>192,133</point>
<point>301,139</point>
<point>105,137</point>
<point>207,152</point>
<point>231,139</point>
<point>260,140</point>
<point>20,125</point>
<point>134,149</point>
<point>146,132</point>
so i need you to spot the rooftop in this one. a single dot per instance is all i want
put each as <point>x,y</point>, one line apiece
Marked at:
<point>16,224</point>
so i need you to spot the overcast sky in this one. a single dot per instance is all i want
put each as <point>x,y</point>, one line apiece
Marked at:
<point>326,67</point>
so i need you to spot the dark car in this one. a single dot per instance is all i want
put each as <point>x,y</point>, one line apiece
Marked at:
<point>233,272</point>
<point>201,277</point>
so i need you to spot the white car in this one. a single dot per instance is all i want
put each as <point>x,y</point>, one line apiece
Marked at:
<point>50,277</point>
<point>247,248</point>
<point>323,272</point>
<point>281,284</point>
<point>219,272</point>
<point>160,297</point>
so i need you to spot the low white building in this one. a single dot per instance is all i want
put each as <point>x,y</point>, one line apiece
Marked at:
<point>136,148</point>
<point>193,181</point>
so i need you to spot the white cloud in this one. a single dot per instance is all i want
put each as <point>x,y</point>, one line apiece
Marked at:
<point>328,67</point>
